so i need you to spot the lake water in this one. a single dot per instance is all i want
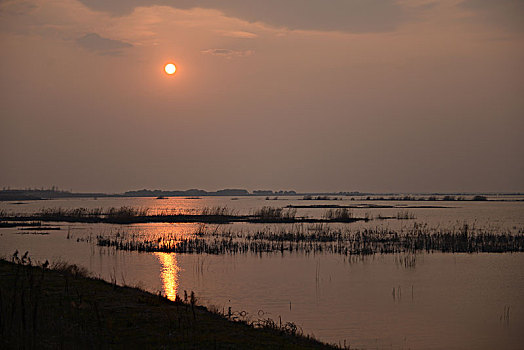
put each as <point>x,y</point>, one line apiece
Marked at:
<point>437,301</point>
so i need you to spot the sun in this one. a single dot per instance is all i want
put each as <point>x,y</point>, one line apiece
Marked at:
<point>170,68</point>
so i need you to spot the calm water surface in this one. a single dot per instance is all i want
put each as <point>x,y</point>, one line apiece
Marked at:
<point>451,301</point>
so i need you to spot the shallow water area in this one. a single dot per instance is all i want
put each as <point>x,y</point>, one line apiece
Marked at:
<point>400,301</point>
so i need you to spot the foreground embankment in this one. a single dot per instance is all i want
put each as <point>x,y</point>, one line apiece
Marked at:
<point>63,308</point>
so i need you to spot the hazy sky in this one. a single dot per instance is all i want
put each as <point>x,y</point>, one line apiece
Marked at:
<point>312,95</point>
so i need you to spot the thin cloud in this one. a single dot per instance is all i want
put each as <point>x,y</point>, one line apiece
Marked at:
<point>507,14</point>
<point>227,53</point>
<point>238,34</point>
<point>101,45</point>
<point>356,16</point>
<point>16,7</point>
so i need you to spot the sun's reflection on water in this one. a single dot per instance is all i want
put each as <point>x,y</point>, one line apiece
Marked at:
<point>169,273</point>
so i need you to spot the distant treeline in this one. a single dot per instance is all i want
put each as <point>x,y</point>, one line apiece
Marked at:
<point>235,193</point>
<point>188,193</point>
<point>227,192</point>
<point>8,194</point>
<point>42,194</point>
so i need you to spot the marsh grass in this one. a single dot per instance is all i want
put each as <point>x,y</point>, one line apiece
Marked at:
<point>69,269</point>
<point>6,224</point>
<point>269,214</point>
<point>27,232</point>
<point>130,215</point>
<point>338,214</point>
<point>40,228</point>
<point>405,215</point>
<point>321,238</point>
<point>320,198</point>
<point>217,211</point>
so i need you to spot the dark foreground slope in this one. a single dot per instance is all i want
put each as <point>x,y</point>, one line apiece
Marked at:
<point>42,308</point>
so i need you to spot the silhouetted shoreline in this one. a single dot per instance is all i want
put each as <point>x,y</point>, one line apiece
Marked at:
<point>63,307</point>
<point>53,193</point>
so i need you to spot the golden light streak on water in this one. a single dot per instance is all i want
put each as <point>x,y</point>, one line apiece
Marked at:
<point>169,273</point>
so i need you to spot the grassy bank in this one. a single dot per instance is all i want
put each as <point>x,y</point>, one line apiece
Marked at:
<point>62,308</point>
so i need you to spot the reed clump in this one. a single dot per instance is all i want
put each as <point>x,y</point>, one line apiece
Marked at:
<point>338,214</point>
<point>405,215</point>
<point>217,211</point>
<point>270,214</point>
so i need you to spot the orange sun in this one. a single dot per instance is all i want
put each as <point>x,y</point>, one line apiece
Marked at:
<point>170,68</point>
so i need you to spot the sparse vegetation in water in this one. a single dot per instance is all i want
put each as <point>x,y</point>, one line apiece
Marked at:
<point>364,206</point>
<point>405,215</point>
<point>431,198</point>
<point>39,228</point>
<point>217,211</point>
<point>130,215</point>
<point>323,239</point>
<point>269,214</point>
<point>32,233</point>
<point>338,214</point>
<point>408,260</point>
<point>320,198</point>
<point>6,224</point>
